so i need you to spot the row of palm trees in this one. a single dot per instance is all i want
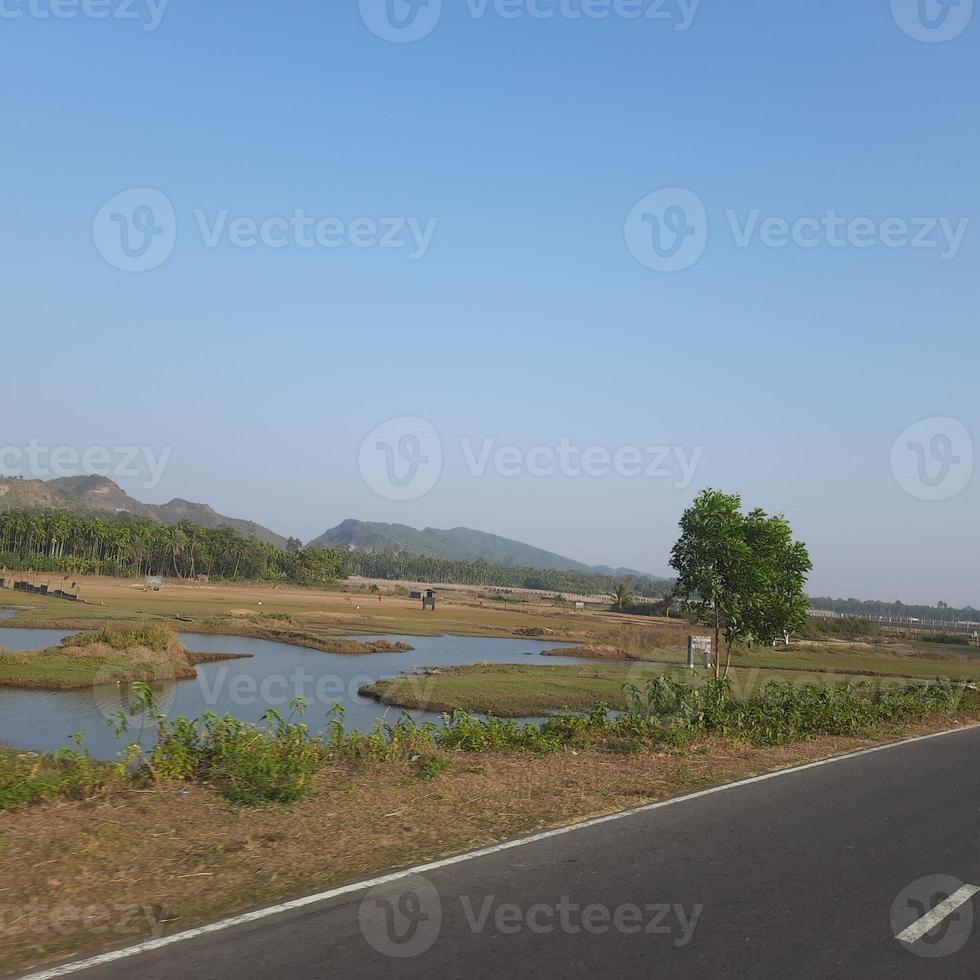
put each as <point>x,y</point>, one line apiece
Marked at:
<point>124,545</point>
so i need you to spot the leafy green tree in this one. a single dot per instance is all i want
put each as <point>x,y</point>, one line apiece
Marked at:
<point>625,597</point>
<point>744,574</point>
<point>777,605</point>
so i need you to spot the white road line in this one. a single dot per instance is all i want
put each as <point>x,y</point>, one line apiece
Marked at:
<point>179,937</point>
<point>932,919</point>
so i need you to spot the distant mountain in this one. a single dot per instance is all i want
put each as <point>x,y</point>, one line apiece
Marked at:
<point>458,544</point>
<point>622,572</point>
<point>92,494</point>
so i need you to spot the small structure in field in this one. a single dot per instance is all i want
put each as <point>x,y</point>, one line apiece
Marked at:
<point>429,600</point>
<point>153,583</point>
<point>698,646</point>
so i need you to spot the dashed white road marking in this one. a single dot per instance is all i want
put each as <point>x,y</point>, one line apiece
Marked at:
<point>114,956</point>
<point>943,910</point>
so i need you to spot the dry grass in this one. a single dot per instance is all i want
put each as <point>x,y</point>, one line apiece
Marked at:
<point>317,617</point>
<point>171,857</point>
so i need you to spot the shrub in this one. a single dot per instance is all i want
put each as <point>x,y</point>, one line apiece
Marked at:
<point>271,762</point>
<point>848,627</point>
<point>27,778</point>
<point>275,761</point>
<point>149,636</point>
<point>953,639</point>
<point>428,767</point>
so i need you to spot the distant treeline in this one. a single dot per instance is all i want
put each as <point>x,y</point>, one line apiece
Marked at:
<point>424,568</point>
<point>122,545</point>
<point>896,610</point>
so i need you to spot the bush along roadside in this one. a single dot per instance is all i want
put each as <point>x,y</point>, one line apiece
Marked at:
<point>68,774</point>
<point>275,761</point>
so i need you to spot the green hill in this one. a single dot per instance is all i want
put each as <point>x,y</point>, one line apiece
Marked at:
<point>92,494</point>
<point>456,544</point>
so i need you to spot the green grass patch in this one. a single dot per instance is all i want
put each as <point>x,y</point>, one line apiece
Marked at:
<point>56,670</point>
<point>525,691</point>
<point>917,662</point>
<point>105,656</point>
<point>513,690</point>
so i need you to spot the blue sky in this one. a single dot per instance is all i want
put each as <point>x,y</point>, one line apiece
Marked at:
<point>525,319</point>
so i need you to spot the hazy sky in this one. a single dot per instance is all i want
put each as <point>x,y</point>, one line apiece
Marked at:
<point>466,229</point>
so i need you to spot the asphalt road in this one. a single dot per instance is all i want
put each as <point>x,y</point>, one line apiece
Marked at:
<point>811,874</point>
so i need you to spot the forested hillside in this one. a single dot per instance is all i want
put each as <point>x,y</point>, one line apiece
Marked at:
<point>457,544</point>
<point>57,541</point>
<point>92,495</point>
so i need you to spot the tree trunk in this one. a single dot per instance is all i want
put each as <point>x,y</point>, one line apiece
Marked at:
<point>717,650</point>
<point>728,661</point>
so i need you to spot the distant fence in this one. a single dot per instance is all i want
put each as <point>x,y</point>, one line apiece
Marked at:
<point>913,623</point>
<point>46,590</point>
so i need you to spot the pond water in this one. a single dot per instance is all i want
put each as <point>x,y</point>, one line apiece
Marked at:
<point>274,674</point>
<point>17,640</point>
